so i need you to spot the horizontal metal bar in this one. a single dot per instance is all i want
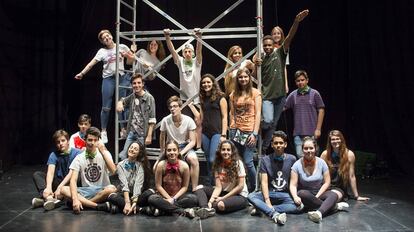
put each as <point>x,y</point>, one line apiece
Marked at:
<point>191,31</point>
<point>126,37</point>
<point>127,21</point>
<point>125,87</point>
<point>243,36</point>
<point>127,5</point>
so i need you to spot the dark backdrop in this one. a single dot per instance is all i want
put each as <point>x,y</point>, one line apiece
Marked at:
<point>358,54</point>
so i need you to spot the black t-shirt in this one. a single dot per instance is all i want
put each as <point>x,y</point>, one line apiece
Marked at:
<point>278,172</point>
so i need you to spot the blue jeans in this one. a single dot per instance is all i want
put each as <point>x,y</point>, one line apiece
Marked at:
<point>132,137</point>
<point>271,111</point>
<point>298,146</point>
<point>282,203</point>
<point>108,90</point>
<point>247,153</point>
<point>210,146</point>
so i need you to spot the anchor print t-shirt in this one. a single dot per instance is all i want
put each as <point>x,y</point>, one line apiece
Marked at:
<point>278,172</point>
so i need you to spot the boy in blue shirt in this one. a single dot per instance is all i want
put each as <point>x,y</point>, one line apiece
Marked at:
<point>58,175</point>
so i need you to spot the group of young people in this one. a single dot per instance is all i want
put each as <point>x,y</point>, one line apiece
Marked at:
<point>226,125</point>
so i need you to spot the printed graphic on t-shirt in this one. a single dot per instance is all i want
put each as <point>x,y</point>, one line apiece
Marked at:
<point>188,71</point>
<point>242,113</point>
<point>93,172</point>
<point>137,119</point>
<point>279,182</point>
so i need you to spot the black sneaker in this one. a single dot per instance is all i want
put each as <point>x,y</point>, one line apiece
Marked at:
<point>106,206</point>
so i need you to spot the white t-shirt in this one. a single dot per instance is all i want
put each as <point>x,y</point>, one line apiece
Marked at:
<point>178,134</point>
<point>190,77</point>
<point>228,186</point>
<point>142,56</point>
<point>107,56</point>
<point>93,172</point>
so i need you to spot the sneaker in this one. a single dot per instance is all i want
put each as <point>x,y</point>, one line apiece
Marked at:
<point>341,206</point>
<point>254,211</point>
<point>190,213</point>
<point>37,202</point>
<point>104,137</point>
<point>114,209</point>
<point>199,150</point>
<point>106,206</point>
<point>315,216</point>
<point>279,218</point>
<point>150,211</point>
<point>51,203</point>
<point>205,212</point>
<point>156,212</point>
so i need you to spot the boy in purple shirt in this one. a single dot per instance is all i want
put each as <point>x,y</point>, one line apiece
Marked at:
<point>308,110</point>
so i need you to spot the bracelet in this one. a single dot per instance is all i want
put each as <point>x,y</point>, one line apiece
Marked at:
<point>223,135</point>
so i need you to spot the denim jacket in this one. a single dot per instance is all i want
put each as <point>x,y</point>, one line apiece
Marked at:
<point>147,105</point>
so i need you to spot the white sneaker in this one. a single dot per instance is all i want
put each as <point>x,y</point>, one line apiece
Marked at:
<point>51,203</point>
<point>341,206</point>
<point>315,216</point>
<point>190,213</point>
<point>205,212</point>
<point>279,218</point>
<point>104,137</point>
<point>37,202</point>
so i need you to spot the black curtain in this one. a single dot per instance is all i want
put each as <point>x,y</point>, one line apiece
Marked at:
<point>358,54</point>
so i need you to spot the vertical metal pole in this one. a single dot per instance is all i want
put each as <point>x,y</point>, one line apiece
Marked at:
<point>118,23</point>
<point>259,21</point>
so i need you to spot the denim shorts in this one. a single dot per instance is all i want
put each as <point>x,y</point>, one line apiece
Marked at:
<point>89,192</point>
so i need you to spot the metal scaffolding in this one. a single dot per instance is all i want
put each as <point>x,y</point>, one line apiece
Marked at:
<point>186,34</point>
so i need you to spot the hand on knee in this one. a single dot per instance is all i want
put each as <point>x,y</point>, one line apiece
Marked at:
<point>221,206</point>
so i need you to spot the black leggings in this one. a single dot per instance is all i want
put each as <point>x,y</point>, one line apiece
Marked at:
<point>118,199</point>
<point>323,204</point>
<point>231,204</point>
<point>187,200</point>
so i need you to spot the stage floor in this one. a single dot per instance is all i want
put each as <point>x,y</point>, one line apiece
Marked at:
<point>391,208</point>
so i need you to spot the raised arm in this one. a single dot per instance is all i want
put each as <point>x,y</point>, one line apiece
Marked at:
<point>199,46</point>
<point>107,157</point>
<point>86,69</point>
<point>170,45</point>
<point>299,17</point>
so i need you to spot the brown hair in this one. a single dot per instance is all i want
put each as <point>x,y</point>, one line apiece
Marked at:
<point>215,90</point>
<point>103,32</point>
<point>60,133</point>
<point>343,155</point>
<point>174,99</point>
<point>160,51</point>
<point>233,170</point>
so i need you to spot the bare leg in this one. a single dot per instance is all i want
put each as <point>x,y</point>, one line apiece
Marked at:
<point>194,170</point>
<point>103,195</point>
